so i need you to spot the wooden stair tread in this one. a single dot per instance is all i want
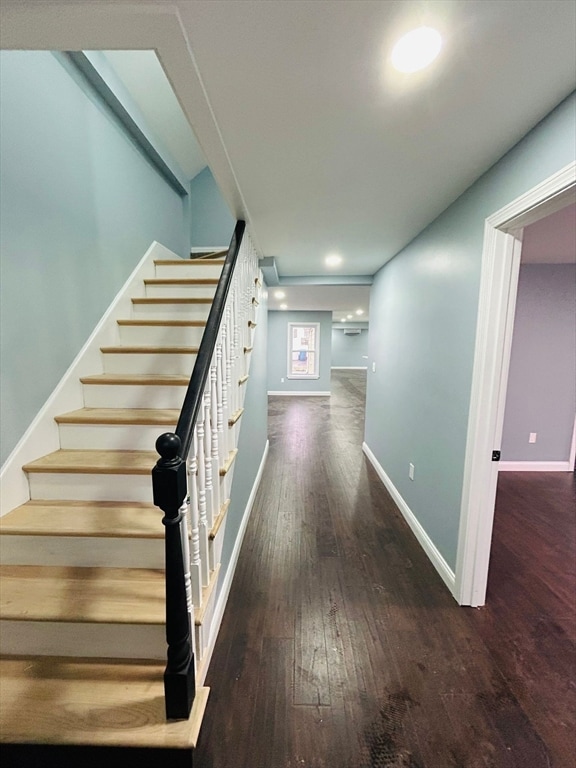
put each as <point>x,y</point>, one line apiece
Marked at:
<point>212,255</point>
<point>164,323</point>
<point>219,520</point>
<point>153,416</point>
<point>86,595</point>
<point>109,702</point>
<point>180,262</point>
<point>149,350</point>
<point>236,416</point>
<point>149,379</point>
<point>170,300</point>
<point>102,519</point>
<point>95,462</point>
<point>228,463</point>
<point>181,281</point>
<point>200,612</point>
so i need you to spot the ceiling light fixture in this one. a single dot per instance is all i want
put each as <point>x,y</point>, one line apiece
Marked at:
<point>359,311</point>
<point>333,260</point>
<point>283,306</point>
<point>349,317</point>
<point>279,295</point>
<point>416,50</point>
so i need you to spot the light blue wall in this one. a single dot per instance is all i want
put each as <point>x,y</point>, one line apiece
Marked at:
<point>349,351</point>
<point>278,352</point>
<point>253,436</point>
<point>212,224</point>
<point>423,311</point>
<point>541,393</point>
<point>80,205</point>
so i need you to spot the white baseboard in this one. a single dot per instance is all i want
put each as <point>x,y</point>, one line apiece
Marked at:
<point>444,570</point>
<point>349,368</point>
<point>229,575</point>
<point>534,466</point>
<point>42,435</point>
<point>284,393</point>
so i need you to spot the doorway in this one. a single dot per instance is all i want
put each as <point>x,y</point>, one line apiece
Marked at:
<point>498,291</point>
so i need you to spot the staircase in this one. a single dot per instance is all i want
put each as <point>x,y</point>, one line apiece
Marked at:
<point>82,603</point>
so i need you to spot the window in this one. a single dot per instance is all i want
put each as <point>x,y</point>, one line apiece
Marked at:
<point>303,352</point>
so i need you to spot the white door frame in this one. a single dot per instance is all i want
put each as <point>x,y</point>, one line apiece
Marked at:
<point>498,290</point>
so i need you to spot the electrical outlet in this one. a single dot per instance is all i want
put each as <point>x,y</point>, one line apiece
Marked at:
<point>281,381</point>
<point>373,367</point>
<point>532,438</point>
<point>411,471</point>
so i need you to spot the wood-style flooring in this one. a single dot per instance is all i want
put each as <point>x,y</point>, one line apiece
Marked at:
<point>342,648</point>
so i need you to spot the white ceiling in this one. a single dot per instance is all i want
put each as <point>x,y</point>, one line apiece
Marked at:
<point>308,132</point>
<point>551,240</point>
<point>341,300</point>
<point>332,150</point>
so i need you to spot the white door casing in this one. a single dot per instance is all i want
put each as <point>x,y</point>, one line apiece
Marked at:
<point>498,291</point>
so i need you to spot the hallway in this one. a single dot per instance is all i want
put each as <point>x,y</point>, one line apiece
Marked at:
<point>340,646</point>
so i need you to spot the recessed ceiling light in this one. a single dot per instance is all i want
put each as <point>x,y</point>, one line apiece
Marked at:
<point>359,311</point>
<point>416,50</point>
<point>283,306</point>
<point>343,320</point>
<point>349,317</point>
<point>279,295</point>
<point>333,260</point>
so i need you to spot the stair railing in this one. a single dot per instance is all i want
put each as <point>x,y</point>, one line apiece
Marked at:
<point>186,478</point>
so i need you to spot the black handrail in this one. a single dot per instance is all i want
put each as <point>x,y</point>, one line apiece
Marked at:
<point>170,488</point>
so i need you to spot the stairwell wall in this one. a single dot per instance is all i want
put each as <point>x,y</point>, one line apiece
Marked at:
<point>210,219</point>
<point>80,204</point>
<point>423,313</point>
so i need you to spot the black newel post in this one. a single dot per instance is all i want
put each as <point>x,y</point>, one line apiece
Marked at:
<point>170,490</point>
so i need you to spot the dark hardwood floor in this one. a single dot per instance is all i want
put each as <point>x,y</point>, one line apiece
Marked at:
<point>341,647</point>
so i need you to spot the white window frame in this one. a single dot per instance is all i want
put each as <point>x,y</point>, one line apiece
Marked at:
<point>316,351</point>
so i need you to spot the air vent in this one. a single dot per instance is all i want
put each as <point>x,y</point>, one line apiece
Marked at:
<point>352,331</point>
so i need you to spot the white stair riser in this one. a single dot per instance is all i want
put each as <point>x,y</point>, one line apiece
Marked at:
<point>189,271</point>
<point>141,335</point>
<point>53,638</point>
<point>180,291</point>
<point>171,311</point>
<point>149,363</point>
<point>226,483</point>
<point>83,551</point>
<point>122,437</point>
<point>133,396</point>
<point>215,546</point>
<point>202,631</point>
<point>86,487</point>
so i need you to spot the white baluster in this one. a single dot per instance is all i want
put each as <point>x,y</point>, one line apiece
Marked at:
<point>201,481</point>
<point>196,575</point>
<point>208,468</point>
<point>218,374</point>
<point>217,433</point>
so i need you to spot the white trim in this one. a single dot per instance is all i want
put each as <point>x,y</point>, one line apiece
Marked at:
<point>534,466</point>
<point>572,457</point>
<point>282,393</point>
<point>498,290</point>
<point>444,570</point>
<point>349,368</point>
<point>42,436</point>
<point>316,352</point>
<point>220,607</point>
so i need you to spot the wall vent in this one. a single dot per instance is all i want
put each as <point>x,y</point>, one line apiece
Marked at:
<point>352,331</point>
